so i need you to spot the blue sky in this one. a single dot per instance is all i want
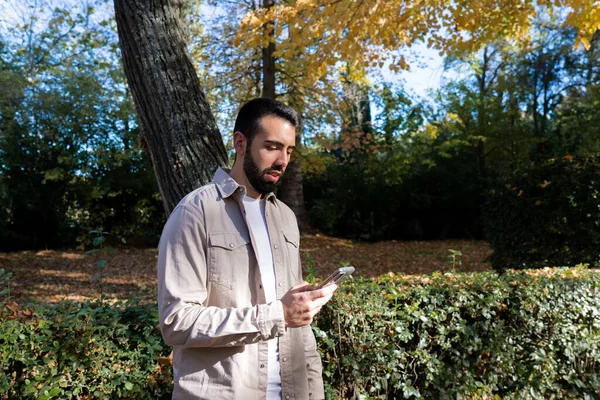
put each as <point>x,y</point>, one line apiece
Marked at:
<point>424,75</point>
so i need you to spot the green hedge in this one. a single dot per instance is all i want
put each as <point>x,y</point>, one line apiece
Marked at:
<point>518,335</point>
<point>522,334</point>
<point>546,214</point>
<point>83,351</point>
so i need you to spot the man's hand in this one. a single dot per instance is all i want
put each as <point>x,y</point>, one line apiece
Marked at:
<point>301,303</point>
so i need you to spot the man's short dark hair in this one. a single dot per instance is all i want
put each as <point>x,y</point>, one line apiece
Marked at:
<point>248,118</point>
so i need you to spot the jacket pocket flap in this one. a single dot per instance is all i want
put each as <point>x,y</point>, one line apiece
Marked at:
<point>229,240</point>
<point>292,238</point>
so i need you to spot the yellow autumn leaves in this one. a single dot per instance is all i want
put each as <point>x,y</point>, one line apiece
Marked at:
<point>368,32</point>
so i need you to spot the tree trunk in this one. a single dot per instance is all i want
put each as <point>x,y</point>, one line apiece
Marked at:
<point>268,58</point>
<point>290,191</point>
<point>180,131</point>
<point>358,109</point>
<point>482,110</point>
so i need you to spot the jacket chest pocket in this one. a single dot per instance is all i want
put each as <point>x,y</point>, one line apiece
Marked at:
<point>229,259</point>
<point>292,244</point>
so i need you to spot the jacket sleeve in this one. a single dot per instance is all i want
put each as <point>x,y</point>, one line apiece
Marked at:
<point>182,292</point>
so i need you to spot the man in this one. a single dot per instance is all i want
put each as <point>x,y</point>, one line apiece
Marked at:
<point>231,298</point>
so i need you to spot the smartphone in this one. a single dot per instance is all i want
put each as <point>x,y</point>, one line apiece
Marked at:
<point>337,276</point>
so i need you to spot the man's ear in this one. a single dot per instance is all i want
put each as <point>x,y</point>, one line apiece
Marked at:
<point>239,143</point>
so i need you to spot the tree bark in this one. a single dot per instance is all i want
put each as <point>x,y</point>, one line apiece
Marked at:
<point>180,131</point>
<point>290,191</point>
<point>484,84</point>
<point>268,58</point>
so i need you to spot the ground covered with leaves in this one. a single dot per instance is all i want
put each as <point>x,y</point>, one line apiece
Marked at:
<point>49,276</point>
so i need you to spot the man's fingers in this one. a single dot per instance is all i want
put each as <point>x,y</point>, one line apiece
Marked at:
<point>321,301</point>
<point>323,292</point>
<point>316,311</point>
<point>303,302</point>
<point>329,289</point>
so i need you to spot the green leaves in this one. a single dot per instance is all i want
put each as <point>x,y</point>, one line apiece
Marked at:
<point>531,223</point>
<point>5,279</point>
<point>83,350</point>
<point>448,335</point>
<point>454,258</point>
<point>69,153</point>
<point>523,334</point>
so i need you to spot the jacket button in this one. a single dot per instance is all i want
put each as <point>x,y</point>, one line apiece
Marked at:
<point>287,397</point>
<point>275,246</point>
<point>307,365</point>
<point>262,365</point>
<point>231,245</point>
<point>278,283</point>
<point>284,359</point>
<point>260,286</point>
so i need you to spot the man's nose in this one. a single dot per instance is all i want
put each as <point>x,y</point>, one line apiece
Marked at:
<point>283,159</point>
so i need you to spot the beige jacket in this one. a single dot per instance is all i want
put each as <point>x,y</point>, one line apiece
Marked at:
<point>212,306</point>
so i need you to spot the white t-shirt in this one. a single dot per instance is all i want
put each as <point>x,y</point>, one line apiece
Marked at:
<point>257,223</point>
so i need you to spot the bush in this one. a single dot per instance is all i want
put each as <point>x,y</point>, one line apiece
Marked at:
<point>83,351</point>
<point>384,196</point>
<point>517,335</point>
<point>548,214</point>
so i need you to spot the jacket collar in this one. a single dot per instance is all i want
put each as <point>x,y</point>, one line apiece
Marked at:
<point>228,186</point>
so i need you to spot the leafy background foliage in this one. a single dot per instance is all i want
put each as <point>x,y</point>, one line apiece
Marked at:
<point>83,350</point>
<point>454,335</point>
<point>547,214</point>
<point>397,197</point>
<point>482,335</point>
<point>70,154</point>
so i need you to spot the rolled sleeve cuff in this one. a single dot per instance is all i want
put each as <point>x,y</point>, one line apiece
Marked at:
<point>271,321</point>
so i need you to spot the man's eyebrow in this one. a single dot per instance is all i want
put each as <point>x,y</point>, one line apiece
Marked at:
<point>278,143</point>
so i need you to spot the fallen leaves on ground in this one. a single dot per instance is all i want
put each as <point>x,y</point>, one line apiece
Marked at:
<point>405,257</point>
<point>49,276</point>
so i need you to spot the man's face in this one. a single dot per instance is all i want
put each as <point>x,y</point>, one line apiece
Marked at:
<point>269,153</point>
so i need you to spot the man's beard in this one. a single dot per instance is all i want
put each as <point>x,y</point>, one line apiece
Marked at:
<point>256,177</point>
